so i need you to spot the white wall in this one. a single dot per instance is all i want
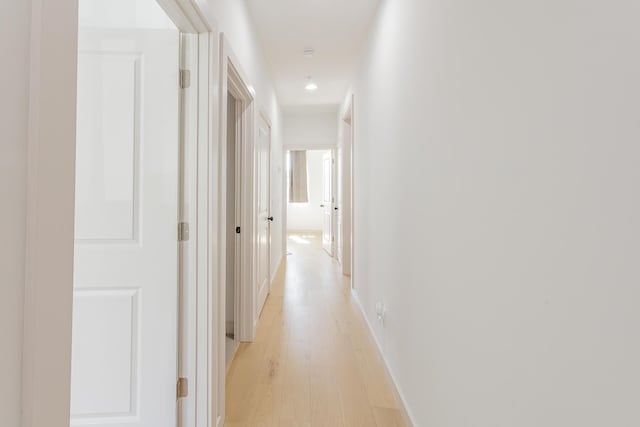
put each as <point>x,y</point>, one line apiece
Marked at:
<point>15,20</point>
<point>501,139</point>
<point>37,134</point>
<point>310,129</point>
<point>309,216</point>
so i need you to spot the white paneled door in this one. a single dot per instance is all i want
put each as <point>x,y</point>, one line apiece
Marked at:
<point>327,204</point>
<point>338,207</point>
<point>125,275</point>
<point>263,174</point>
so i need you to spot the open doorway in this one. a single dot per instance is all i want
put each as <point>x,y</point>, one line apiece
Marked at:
<point>310,196</point>
<point>125,307</point>
<point>238,290</point>
<point>233,243</point>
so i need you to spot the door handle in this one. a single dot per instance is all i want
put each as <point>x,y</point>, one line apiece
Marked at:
<point>335,209</point>
<point>322,206</point>
<point>270,218</point>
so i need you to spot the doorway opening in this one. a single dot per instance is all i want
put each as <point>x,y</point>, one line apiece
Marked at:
<point>311,197</point>
<point>233,243</point>
<point>236,306</point>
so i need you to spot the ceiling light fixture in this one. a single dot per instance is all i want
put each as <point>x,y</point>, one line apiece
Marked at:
<point>311,86</point>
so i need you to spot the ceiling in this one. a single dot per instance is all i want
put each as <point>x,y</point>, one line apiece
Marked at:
<point>335,29</point>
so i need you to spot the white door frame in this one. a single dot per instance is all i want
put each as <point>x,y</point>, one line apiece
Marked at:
<point>233,80</point>
<point>50,215</point>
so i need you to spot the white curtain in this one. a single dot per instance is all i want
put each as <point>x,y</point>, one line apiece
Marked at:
<point>298,192</point>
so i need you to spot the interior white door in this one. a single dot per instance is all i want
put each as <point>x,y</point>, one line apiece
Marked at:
<point>346,203</point>
<point>338,207</point>
<point>125,318</point>
<point>263,151</point>
<point>327,204</point>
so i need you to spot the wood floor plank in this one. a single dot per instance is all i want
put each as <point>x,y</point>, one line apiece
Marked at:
<point>386,417</point>
<point>313,362</point>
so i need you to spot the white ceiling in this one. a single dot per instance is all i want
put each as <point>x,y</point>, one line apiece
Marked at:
<point>335,29</point>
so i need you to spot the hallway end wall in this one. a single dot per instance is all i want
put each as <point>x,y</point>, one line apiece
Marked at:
<point>502,139</point>
<point>309,216</point>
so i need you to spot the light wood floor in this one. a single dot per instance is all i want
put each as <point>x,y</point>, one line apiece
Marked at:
<point>313,362</point>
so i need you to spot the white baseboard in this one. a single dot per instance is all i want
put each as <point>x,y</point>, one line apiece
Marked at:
<point>277,269</point>
<point>404,410</point>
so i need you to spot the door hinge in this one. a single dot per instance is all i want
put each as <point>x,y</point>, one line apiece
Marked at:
<point>185,79</point>
<point>237,230</point>
<point>183,231</point>
<point>182,388</point>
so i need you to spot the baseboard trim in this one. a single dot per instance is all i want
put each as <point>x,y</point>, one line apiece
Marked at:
<point>404,411</point>
<point>280,264</point>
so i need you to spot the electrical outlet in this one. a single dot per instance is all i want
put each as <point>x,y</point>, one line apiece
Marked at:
<point>381,311</point>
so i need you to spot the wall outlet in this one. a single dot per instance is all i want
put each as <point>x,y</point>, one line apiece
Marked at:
<point>381,311</point>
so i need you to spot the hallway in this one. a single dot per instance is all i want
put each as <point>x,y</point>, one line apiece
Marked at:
<point>313,362</point>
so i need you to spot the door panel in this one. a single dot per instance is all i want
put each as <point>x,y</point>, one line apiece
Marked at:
<point>346,208</point>
<point>264,224</point>
<point>126,257</point>
<point>327,204</point>
<point>338,187</point>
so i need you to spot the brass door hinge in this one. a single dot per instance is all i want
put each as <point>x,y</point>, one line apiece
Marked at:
<point>183,231</point>
<point>182,388</point>
<point>185,79</point>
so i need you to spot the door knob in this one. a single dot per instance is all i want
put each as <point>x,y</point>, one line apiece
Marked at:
<point>322,206</point>
<point>270,218</point>
<point>335,209</point>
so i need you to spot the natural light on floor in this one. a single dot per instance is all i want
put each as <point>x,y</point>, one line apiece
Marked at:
<point>302,238</point>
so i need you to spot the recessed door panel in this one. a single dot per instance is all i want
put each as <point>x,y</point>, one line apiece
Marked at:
<point>107,145</point>
<point>105,333</point>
